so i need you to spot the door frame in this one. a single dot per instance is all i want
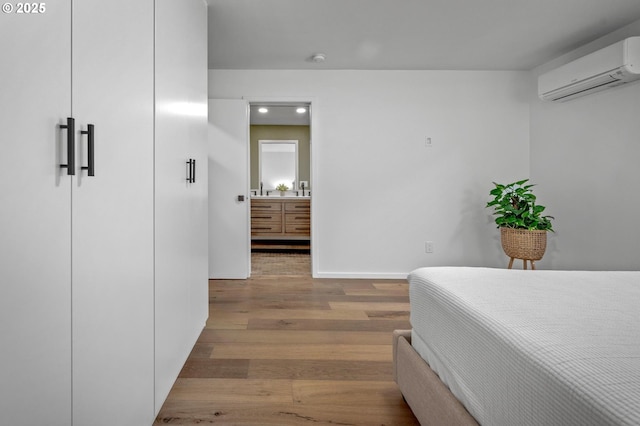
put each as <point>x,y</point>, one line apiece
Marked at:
<point>313,150</point>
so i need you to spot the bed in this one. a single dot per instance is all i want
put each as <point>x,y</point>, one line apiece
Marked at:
<point>514,347</point>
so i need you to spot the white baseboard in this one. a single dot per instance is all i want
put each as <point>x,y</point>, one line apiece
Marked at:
<point>363,275</point>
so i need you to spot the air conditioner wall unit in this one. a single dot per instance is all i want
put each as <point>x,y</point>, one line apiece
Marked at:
<point>611,66</point>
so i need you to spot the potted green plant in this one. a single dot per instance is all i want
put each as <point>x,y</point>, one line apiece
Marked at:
<point>282,188</point>
<point>523,227</point>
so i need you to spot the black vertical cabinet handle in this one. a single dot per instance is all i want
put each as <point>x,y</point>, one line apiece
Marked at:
<point>191,170</point>
<point>71,146</point>
<point>91,167</point>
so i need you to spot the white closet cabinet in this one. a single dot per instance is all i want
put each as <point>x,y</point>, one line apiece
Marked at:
<point>78,318</point>
<point>181,296</point>
<point>112,213</point>
<point>35,219</point>
<point>77,266</point>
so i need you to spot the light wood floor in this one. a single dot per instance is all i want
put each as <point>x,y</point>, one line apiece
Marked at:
<point>292,350</point>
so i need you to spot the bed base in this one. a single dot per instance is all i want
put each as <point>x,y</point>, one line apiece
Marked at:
<point>430,400</point>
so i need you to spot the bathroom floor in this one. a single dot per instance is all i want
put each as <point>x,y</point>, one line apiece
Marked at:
<point>288,263</point>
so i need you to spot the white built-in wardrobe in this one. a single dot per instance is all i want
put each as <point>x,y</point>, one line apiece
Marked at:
<point>103,207</point>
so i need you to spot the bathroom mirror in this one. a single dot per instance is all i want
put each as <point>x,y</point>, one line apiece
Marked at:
<point>278,163</point>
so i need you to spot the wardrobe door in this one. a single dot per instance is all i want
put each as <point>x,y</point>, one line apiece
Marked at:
<point>181,189</point>
<point>35,216</point>
<point>198,232</point>
<point>113,213</point>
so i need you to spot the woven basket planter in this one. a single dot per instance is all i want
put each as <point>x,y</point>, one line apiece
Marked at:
<point>523,243</point>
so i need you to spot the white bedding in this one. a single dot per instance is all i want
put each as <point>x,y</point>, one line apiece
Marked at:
<point>532,347</point>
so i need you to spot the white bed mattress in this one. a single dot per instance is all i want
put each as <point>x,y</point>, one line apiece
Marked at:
<point>532,347</point>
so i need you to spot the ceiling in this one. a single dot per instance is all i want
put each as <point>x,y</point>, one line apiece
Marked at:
<point>406,34</point>
<point>279,114</point>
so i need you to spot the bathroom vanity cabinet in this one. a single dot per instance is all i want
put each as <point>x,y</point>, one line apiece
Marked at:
<point>280,219</point>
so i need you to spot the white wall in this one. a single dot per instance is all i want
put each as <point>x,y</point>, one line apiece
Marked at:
<point>584,158</point>
<point>379,194</point>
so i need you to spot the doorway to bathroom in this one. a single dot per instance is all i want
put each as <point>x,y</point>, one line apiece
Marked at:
<point>280,188</point>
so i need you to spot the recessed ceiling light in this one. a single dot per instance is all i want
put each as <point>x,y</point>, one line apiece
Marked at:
<point>301,110</point>
<point>263,110</point>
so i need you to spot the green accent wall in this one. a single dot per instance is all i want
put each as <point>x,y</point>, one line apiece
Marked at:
<point>269,132</point>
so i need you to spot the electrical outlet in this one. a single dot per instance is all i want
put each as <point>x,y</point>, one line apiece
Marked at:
<point>427,142</point>
<point>428,247</point>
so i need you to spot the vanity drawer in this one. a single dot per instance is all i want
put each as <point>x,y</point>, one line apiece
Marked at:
<point>297,206</point>
<point>260,227</point>
<point>297,223</point>
<point>298,229</point>
<point>297,217</point>
<point>265,216</point>
<point>266,205</point>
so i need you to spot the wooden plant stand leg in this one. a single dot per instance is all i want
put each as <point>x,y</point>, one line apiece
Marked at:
<point>524,263</point>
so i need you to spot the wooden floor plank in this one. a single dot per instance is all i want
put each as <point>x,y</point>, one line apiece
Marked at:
<point>376,292</point>
<point>344,392</point>
<point>338,325</point>
<point>302,351</point>
<point>386,285</point>
<point>219,368</point>
<point>320,370</point>
<point>236,323</point>
<point>295,336</point>
<point>322,314</point>
<point>388,315</point>
<point>246,391</point>
<point>370,306</point>
<point>274,303</point>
